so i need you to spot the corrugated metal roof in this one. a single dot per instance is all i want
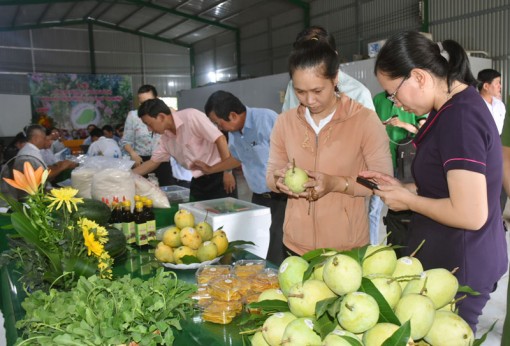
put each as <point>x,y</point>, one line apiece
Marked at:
<point>184,21</point>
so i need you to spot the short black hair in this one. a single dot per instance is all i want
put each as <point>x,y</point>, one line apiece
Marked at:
<point>222,103</point>
<point>97,132</point>
<point>486,76</point>
<point>148,88</point>
<point>32,129</point>
<point>108,128</point>
<point>152,108</point>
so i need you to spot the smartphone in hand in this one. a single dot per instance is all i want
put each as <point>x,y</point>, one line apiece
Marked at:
<point>367,183</point>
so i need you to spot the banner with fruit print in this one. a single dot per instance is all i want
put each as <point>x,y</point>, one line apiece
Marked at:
<point>73,101</point>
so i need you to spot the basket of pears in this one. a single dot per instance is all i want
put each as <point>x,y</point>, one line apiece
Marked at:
<point>187,245</point>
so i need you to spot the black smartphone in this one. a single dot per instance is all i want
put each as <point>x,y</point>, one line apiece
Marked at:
<point>367,183</point>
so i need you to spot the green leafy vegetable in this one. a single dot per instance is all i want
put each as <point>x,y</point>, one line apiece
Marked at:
<point>103,312</point>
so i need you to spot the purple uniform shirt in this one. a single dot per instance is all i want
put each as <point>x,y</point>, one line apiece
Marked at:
<point>461,135</point>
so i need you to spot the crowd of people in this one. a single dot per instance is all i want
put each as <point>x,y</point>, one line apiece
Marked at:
<point>331,127</point>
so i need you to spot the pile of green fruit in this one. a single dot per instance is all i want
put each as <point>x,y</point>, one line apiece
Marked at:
<point>187,240</point>
<point>365,296</point>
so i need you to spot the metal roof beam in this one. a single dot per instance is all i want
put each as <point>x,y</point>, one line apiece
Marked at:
<point>43,13</point>
<point>128,16</point>
<point>138,33</point>
<point>182,14</point>
<point>161,15</point>
<point>68,12</point>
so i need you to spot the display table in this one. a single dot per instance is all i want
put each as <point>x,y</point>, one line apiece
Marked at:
<point>139,262</point>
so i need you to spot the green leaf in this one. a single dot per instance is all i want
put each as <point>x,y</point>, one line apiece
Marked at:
<point>79,266</point>
<point>400,337</point>
<point>310,255</point>
<point>324,325</point>
<point>468,290</point>
<point>356,254</point>
<point>386,314</point>
<point>189,259</point>
<point>270,306</point>
<point>322,306</point>
<point>25,228</point>
<point>481,340</point>
<point>334,309</point>
<point>352,341</point>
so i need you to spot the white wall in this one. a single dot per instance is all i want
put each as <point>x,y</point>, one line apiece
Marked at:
<point>15,113</point>
<point>265,91</point>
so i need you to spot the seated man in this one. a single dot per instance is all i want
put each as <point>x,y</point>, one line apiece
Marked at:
<point>31,152</point>
<point>102,146</point>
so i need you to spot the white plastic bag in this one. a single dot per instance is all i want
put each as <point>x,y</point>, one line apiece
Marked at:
<point>81,177</point>
<point>145,188</point>
<point>111,182</point>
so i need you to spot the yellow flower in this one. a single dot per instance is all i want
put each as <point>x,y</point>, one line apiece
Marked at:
<point>65,196</point>
<point>93,246</point>
<point>30,180</point>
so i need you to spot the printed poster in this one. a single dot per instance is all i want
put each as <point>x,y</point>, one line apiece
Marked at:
<point>73,101</point>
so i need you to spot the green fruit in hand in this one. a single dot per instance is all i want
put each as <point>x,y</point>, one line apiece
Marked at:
<point>303,297</point>
<point>183,218</point>
<point>405,267</point>
<point>419,309</point>
<point>205,230</point>
<point>342,274</point>
<point>441,286</point>
<point>295,178</point>
<point>358,312</point>
<point>272,294</point>
<point>207,251</point>
<point>449,329</point>
<point>300,333</point>
<point>275,325</point>
<point>291,272</point>
<point>382,262</point>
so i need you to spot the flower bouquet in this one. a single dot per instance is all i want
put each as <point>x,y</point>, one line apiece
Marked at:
<point>55,248</point>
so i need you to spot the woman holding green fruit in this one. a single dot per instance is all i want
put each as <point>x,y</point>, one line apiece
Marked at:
<point>332,138</point>
<point>457,167</point>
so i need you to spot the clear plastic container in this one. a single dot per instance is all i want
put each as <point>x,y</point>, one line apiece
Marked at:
<point>248,268</point>
<point>266,279</point>
<point>206,273</point>
<point>225,288</point>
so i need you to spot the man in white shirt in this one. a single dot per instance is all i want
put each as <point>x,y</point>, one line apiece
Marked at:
<point>102,146</point>
<point>489,87</point>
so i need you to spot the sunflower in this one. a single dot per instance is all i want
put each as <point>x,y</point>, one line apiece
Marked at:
<point>65,196</point>
<point>30,180</point>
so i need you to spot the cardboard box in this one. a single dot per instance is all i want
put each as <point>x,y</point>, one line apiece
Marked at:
<point>239,219</point>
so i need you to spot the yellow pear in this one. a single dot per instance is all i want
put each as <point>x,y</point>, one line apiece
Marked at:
<point>164,253</point>
<point>172,237</point>
<point>182,251</point>
<point>190,238</point>
<point>221,241</point>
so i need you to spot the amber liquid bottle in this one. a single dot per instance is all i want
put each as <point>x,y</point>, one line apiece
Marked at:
<point>140,225</point>
<point>128,222</point>
<point>150,218</point>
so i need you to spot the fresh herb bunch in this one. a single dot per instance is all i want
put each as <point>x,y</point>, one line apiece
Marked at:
<point>108,312</point>
<point>65,248</point>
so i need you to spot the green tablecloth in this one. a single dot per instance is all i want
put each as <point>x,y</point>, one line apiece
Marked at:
<point>139,263</point>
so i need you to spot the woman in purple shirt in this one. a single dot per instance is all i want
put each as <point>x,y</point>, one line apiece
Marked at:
<point>457,168</point>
